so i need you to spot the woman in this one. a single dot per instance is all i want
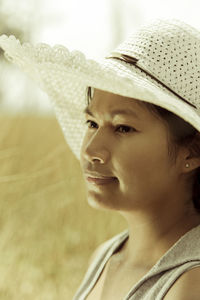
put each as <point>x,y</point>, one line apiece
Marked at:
<point>140,153</point>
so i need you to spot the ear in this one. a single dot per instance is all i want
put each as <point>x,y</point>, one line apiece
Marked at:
<point>193,163</point>
<point>190,162</point>
<point>188,157</point>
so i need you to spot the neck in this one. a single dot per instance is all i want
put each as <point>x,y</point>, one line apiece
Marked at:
<point>151,235</point>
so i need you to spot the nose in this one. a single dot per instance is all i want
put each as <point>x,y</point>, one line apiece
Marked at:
<point>96,149</point>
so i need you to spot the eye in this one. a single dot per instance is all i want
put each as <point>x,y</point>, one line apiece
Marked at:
<point>89,122</point>
<point>125,128</point>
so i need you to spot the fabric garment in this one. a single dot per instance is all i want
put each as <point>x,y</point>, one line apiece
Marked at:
<point>181,257</point>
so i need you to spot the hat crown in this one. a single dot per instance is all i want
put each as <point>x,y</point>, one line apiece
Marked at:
<point>170,51</point>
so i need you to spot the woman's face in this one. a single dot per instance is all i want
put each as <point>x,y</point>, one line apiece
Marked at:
<point>137,155</point>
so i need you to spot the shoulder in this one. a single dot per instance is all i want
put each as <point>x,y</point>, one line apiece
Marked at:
<point>96,252</point>
<point>102,248</point>
<point>186,287</point>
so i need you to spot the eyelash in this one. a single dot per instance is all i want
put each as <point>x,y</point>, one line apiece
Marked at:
<point>121,125</point>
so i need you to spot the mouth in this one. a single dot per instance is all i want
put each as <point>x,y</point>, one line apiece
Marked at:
<point>97,175</point>
<point>101,181</point>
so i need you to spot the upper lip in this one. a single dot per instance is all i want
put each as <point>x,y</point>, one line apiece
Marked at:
<point>97,175</point>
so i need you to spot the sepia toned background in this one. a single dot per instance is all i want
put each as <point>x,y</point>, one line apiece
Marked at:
<point>47,229</point>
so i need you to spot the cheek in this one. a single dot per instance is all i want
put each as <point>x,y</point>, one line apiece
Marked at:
<point>143,164</point>
<point>83,145</point>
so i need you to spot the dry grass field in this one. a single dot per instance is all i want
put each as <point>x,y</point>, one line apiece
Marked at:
<point>47,229</point>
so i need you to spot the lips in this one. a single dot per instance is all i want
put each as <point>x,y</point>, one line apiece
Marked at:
<point>97,178</point>
<point>98,175</point>
<point>100,181</point>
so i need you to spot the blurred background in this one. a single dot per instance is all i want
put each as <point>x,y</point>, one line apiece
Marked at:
<point>47,230</point>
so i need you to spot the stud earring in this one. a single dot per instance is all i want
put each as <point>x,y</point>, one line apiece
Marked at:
<point>187,165</point>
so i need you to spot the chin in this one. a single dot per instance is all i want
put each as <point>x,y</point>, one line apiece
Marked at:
<point>97,203</point>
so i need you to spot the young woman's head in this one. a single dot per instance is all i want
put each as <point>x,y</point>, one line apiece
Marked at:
<point>146,148</point>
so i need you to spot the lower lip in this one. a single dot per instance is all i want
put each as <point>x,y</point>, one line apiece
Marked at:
<point>99,181</point>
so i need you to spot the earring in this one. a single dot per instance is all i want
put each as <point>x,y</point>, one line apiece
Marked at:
<point>187,165</point>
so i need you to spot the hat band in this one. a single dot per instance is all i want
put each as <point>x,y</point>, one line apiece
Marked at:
<point>133,60</point>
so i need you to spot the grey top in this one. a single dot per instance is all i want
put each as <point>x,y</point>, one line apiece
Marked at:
<point>182,256</point>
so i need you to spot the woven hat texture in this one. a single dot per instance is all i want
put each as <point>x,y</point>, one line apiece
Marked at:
<point>159,64</point>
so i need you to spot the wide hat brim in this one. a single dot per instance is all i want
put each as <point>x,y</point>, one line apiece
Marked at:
<point>65,77</point>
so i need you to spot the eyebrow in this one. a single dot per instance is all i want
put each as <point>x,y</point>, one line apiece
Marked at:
<point>114,112</point>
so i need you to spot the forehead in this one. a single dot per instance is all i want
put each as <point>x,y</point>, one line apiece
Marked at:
<point>103,100</point>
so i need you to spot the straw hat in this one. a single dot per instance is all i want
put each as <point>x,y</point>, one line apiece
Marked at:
<point>159,64</point>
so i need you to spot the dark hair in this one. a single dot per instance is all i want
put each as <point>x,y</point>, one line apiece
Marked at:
<point>181,134</point>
